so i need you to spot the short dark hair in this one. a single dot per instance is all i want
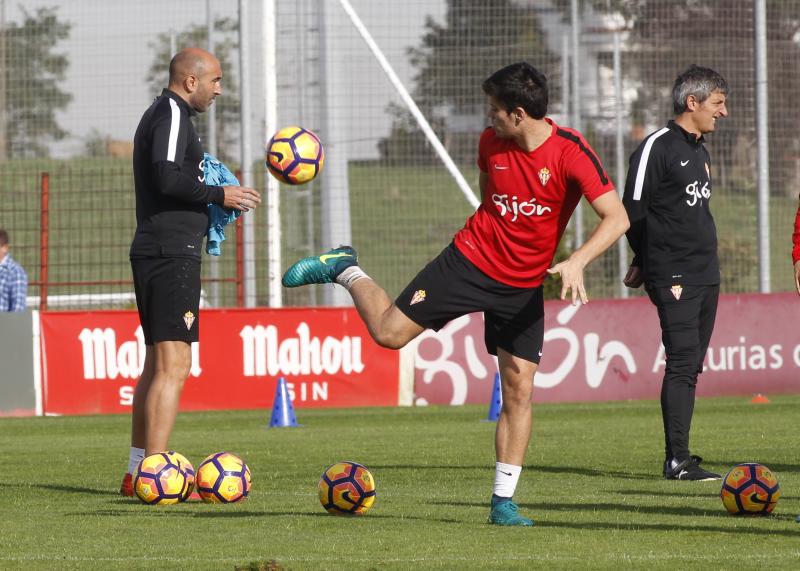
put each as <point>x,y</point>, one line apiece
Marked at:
<point>698,81</point>
<point>519,85</point>
<point>3,237</point>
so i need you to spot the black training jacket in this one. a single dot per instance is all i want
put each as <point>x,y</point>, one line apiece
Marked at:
<point>171,195</point>
<point>667,195</point>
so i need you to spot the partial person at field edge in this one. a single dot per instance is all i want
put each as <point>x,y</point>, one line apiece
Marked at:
<point>172,202</point>
<point>674,241</point>
<point>796,250</point>
<point>533,174</point>
<point>13,279</point>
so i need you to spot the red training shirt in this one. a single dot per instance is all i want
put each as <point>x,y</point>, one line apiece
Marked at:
<point>796,237</point>
<point>526,205</point>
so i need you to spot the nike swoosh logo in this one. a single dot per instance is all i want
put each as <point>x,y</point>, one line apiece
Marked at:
<point>500,167</point>
<point>684,163</point>
<point>506,473</point>
<point>682,472</point>
<point>325,257</point>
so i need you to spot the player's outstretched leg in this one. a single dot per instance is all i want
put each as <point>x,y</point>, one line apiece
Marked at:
<point>504,512</point>
<point>322,269</point>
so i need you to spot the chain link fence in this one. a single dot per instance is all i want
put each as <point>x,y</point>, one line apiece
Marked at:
<point>76,77</point>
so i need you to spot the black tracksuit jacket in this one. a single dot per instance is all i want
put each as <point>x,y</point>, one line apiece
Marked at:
<point>667,195</point>
<point>171,195</point>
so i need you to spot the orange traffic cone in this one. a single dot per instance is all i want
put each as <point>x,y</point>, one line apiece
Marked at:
<point>759,399</point>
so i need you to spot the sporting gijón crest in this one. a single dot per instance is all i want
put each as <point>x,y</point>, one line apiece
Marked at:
<point>544,175</point>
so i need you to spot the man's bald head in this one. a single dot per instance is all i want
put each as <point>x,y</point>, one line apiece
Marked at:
<point>195,75</point>
<point>189,61</point>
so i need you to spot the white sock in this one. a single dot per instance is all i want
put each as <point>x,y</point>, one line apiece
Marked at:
<point>506,477</point>
<point>350,276</point>
<point>134,457</point>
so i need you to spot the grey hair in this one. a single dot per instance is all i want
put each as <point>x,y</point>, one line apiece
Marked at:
<point>698,81</point>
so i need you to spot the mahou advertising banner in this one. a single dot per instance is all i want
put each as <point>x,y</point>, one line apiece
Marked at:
<point>611,350</point>
<point>91,361</point>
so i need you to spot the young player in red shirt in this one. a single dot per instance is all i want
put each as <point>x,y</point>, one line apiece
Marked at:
<point>532,175</point>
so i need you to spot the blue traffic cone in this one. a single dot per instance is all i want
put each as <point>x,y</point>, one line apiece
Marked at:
<point>496,403</point>
<point>282,409</point>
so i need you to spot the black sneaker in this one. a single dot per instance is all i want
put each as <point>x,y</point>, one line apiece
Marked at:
<point>670,464</point>
<point>689,470</point>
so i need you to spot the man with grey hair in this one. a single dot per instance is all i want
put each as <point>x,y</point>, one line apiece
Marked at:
<point>674,241</point>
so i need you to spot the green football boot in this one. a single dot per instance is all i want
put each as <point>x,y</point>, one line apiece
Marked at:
<point>504,512</point>
<point>321,269</point>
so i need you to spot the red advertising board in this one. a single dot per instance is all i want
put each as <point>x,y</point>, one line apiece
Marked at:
<point>91,361</point>
<point>611,350</point>
<point>606,350</point>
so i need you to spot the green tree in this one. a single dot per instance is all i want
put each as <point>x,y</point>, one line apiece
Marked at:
<point>475,39</point>
<point>35,71</point>
<point>226,45</point>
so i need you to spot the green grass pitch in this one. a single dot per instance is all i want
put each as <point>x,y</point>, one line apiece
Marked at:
<point>592,484</point>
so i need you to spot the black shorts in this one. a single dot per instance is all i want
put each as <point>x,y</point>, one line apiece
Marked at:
<point>451,286</point>
<point>168,298</point>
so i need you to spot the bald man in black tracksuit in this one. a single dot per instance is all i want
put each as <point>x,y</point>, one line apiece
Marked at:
<point>171,220</point>
<point>674,240</point>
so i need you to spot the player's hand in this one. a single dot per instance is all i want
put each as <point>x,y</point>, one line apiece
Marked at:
<point>797,276</point>
<point>634,278</point>
<point>241,198</point>
<point>571,272</point>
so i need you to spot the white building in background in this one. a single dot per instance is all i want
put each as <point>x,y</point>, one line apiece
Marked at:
<point>595,57</point>
<point>596,70</point>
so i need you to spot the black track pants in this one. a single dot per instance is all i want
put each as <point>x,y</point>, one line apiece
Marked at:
<point>687,322</point>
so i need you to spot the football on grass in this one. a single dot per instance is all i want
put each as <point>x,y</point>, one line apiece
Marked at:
<point>222,478</point>
<point>161,479</point>
<point>750,489</point>
<point>346,488</point>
